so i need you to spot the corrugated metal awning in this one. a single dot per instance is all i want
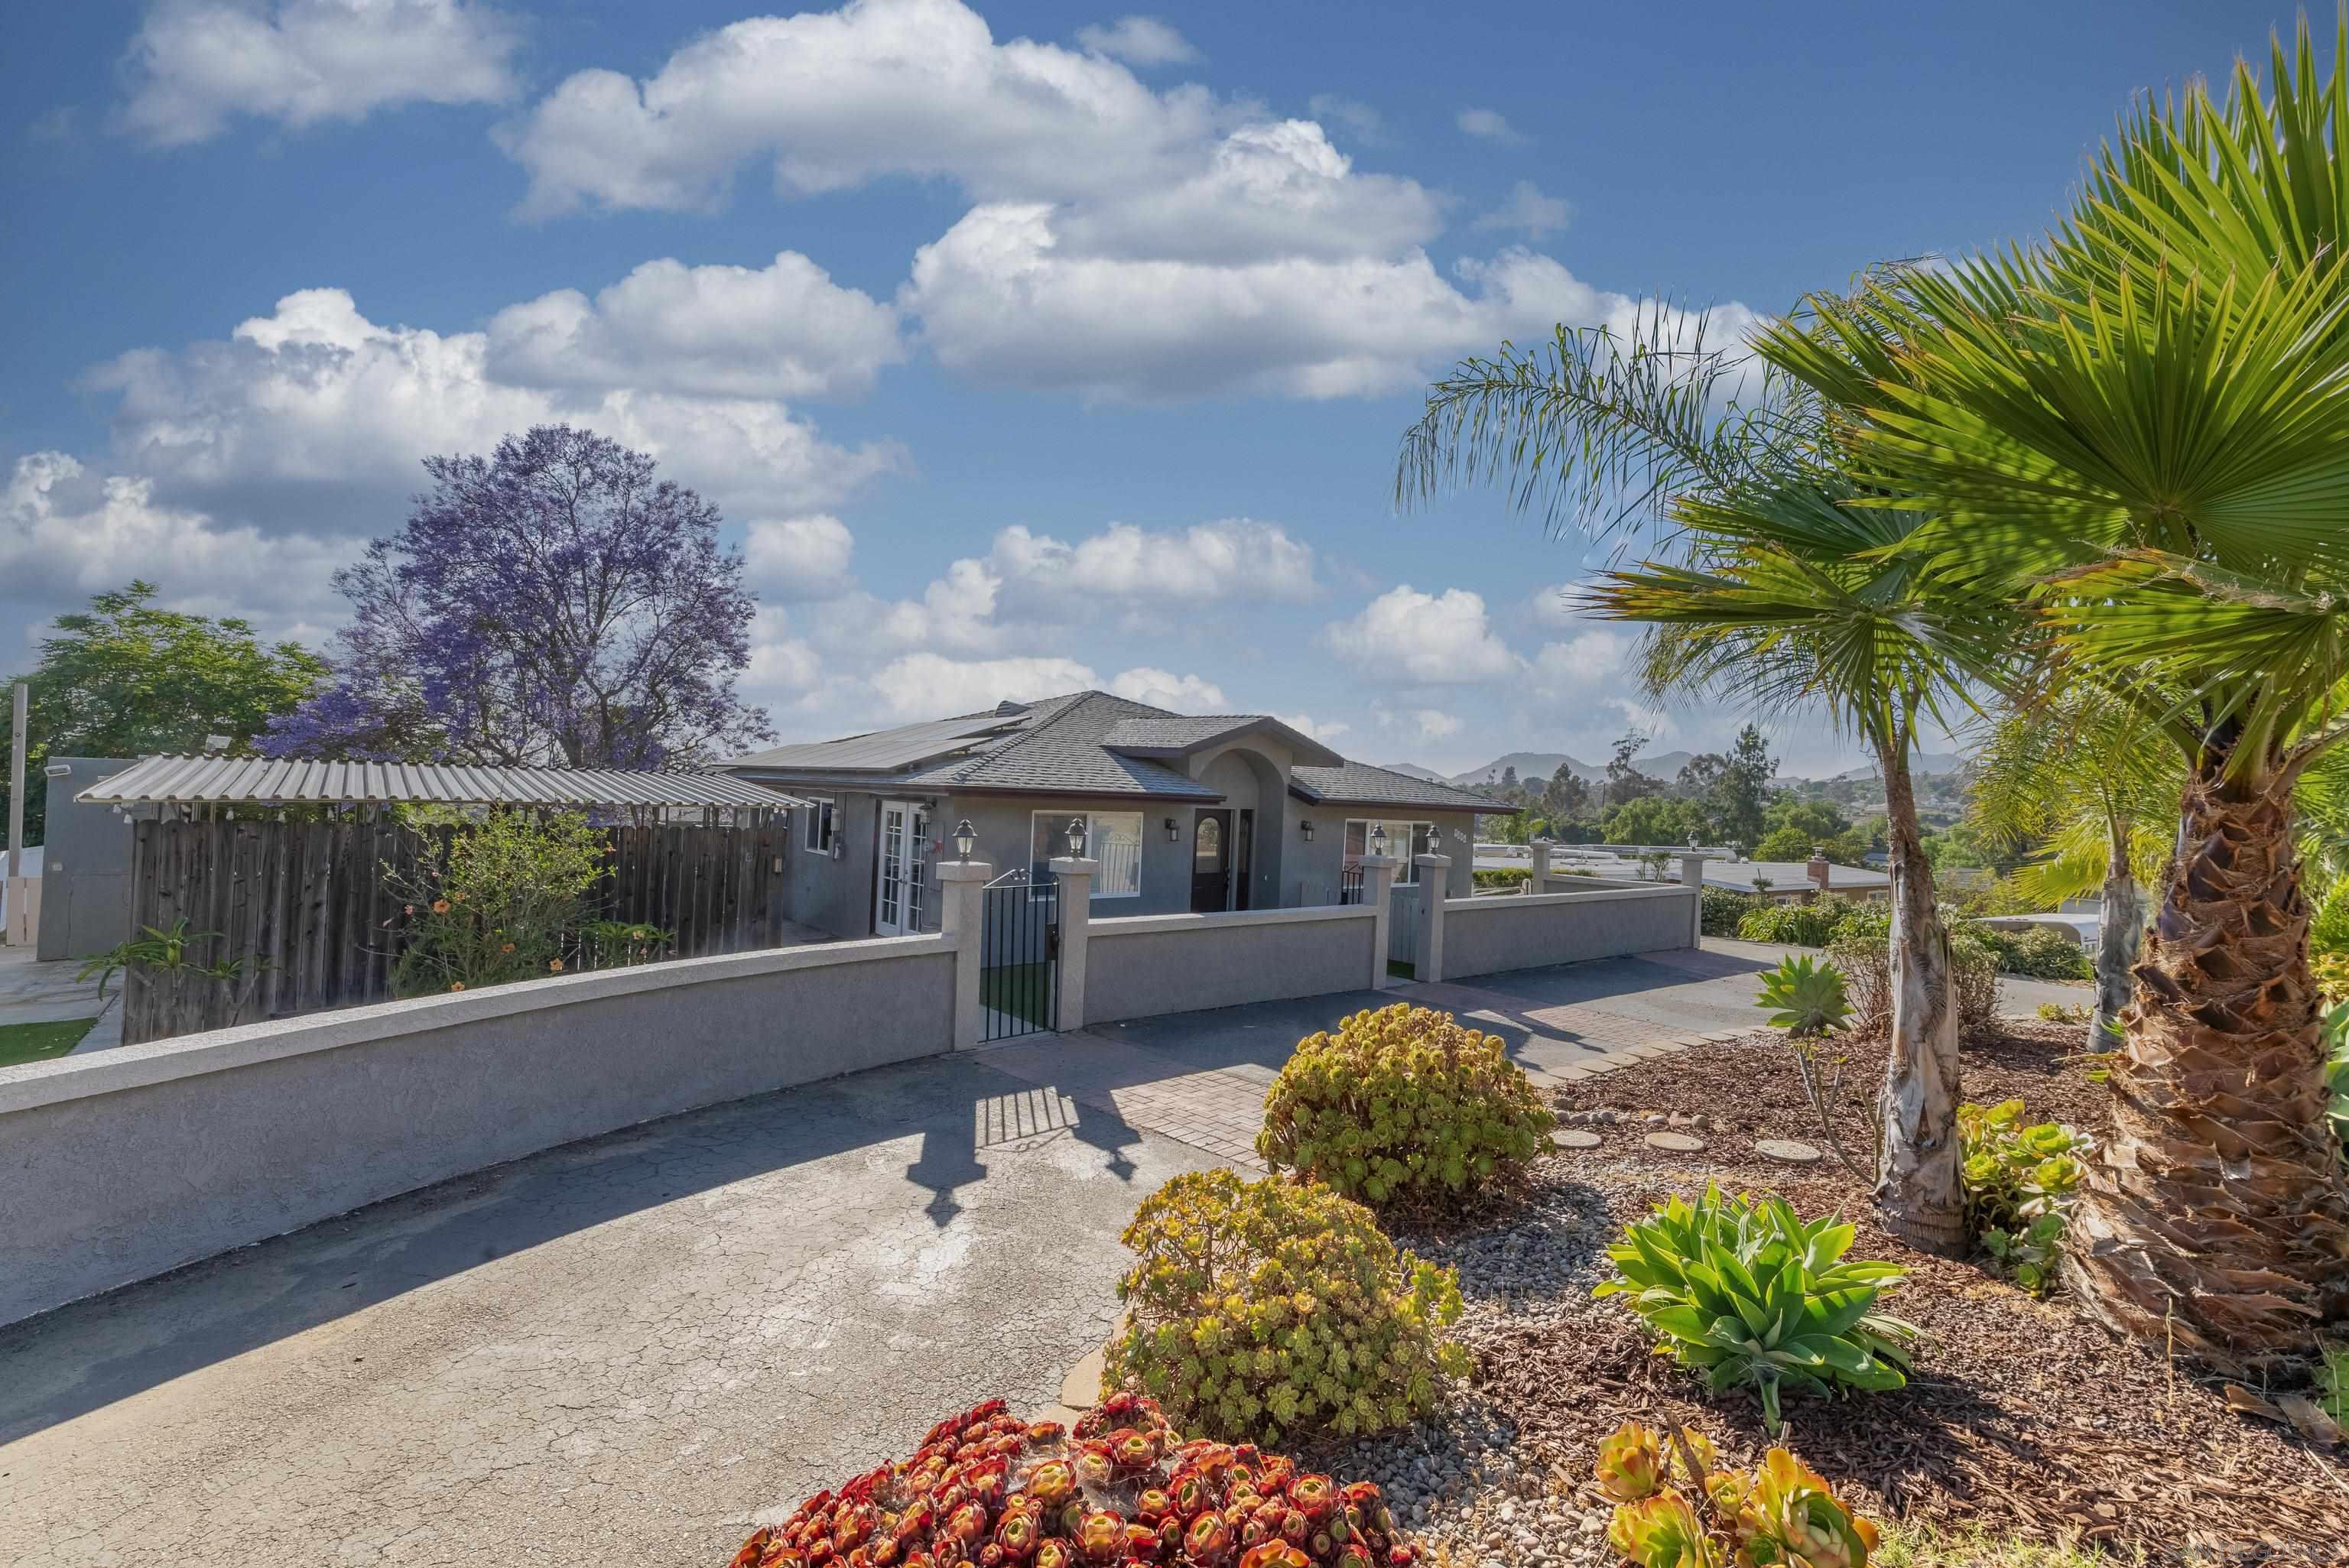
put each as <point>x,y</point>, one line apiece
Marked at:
<point>263,780</point>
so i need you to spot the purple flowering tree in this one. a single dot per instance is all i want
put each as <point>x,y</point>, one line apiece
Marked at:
<point>550,603</point>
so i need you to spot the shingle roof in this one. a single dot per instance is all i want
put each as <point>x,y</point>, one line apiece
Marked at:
<point>1359,784</point>
<point>1067,752</point>
<point>1177,734</point>
<point>254,780</point>
<point>886,750</point>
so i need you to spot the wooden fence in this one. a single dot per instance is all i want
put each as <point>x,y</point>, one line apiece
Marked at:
<point>312,900</point>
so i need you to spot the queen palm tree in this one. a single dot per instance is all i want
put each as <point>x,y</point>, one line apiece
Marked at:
<point>1768,588</point>
<point>2147,414</point>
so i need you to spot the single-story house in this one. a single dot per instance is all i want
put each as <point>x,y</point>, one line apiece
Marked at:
<point>1183,811</point>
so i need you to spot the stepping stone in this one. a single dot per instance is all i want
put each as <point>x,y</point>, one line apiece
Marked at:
<point>1574,1138</point>
<point>1676,1143</point>
<point>1787,1150</point>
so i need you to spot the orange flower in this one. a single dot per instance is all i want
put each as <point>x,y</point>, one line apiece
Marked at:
<point>556,964</point>
<point>455,985</point>
<point>439,906</point>
<point>460,897</point>
<point>507,948</point>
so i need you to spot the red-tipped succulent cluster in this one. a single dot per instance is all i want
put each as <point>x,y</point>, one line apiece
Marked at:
<point>987,1490</point>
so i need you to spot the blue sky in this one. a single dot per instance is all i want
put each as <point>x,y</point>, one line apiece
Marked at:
<point>1024,347</point>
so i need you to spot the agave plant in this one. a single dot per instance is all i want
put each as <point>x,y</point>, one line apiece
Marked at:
<point>1806,999</point>
<point>1747,1291</point>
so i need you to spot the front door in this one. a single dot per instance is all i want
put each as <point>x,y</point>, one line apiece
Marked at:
<point>1211,862</point>
<point>897,870</point>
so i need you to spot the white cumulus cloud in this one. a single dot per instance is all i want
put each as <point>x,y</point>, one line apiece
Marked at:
<point>1490,124</point>
<point>1306,725</point>
<point>193,63</point>
<point>799,557</point>
<point>1163,688</point>
<point>1529,211</point>
<point>1424,639</point>
<point>785,330</point>
<point>1143,41</point>
<point>315,399</point>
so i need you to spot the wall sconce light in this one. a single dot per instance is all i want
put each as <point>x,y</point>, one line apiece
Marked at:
<point>58,769</point>
<point>965,840</point>
<point>1174,833</point>
<point>1077,837</point>
<point>1306,827</point>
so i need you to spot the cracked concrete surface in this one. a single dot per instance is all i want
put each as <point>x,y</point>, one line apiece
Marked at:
<point>619,1351</point>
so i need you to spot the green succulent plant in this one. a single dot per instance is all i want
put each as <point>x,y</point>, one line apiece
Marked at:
<point>2020,1182</point>
<point>1778,1513</point>
<point>1806,998</point>
<point>2336,1074</point>
<point>1748,1291</point>
<point>1403,1105</point>
<point>1261,1310</point>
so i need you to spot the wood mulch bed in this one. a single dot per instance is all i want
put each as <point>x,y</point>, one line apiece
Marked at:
<point>2022,1416</point>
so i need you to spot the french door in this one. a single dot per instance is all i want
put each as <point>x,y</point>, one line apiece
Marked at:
<point>901,869</point>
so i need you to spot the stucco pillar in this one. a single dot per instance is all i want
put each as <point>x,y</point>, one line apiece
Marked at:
<point>1540,883</point>
<point>1075,878</point>
<point>964,882</point>
<point>1693,874</point>
<point>1378,883</point>
<point>1427,953</point>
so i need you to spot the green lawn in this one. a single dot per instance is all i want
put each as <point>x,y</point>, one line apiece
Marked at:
<point>39,1042</point>
<point>1024,991</point>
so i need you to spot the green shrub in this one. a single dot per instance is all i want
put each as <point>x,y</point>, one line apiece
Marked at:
<point>2328,928</point>
<point>1866,965</point>
<point>1260,1310</point>
<point>500,908</point>
<point>2336,1074</point>
<point>1504,876</point>
<point>1797,924</point>
<point>1403,1105</point>
<point>2038,955</point>
<point>622,943</point>
<point>1804,998</point>
<point>1719,910</point>
<point>1746,1291</point>
<point>2019,1182</point>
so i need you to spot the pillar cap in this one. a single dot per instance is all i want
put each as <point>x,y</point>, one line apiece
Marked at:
<point>1069,865</point>
<point>963,871</point>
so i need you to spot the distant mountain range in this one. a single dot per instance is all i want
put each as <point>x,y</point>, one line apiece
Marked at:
<point>1664,765</point>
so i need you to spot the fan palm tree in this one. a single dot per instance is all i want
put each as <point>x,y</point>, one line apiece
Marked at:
<point>2149,414</point>
<point>2092,787</point>
<point>1769,590</point>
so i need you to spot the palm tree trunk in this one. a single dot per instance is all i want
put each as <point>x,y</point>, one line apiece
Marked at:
<point>2215,1219</point>
<point>2120,932</point>
<point>1918,1196</point>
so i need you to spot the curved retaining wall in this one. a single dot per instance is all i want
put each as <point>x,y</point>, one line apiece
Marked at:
<point>122,1165</point>
<point>1147,964</point>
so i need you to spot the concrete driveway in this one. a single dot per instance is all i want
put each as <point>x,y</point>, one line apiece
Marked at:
<point>621,1350</point>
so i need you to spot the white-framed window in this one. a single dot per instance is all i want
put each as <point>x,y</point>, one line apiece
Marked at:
<point>815,833</point>
<point>1404,839</point>
<point>1113,837</point>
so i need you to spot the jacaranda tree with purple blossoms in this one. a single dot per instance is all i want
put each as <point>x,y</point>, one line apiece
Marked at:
<point>554,603</point>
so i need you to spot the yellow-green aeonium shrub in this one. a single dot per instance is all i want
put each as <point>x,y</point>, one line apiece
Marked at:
<point>1260,1311</point>
<point>1779,1514</point>
<point>1403,1105</point>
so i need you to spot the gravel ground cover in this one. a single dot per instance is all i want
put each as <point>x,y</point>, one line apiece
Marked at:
<point>2022,1416</point>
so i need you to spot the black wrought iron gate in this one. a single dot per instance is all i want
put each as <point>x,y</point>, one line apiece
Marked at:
<point>1019,956</point>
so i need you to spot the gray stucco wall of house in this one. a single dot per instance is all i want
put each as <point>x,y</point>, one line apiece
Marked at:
<point>85,865</point>
<point>1221,961</point>
<point>1312,869</point>
<point>835,894</point>
<point>124,1163</point>
<point>1003,823</point>
<point>1487,935</point>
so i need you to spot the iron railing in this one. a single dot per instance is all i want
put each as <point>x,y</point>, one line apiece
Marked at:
<point>1020,956</point>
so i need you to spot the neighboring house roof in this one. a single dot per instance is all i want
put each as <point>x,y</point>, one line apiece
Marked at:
<point>1085,743</point>
<point>264,780</point>
<point>1359,784</point>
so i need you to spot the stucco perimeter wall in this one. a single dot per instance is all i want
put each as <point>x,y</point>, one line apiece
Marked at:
<point>1180,963</point>
<point>1487,935</point>
<point>126,1162</point>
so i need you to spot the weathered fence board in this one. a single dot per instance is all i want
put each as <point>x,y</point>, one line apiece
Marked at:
<point>314,901</point>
